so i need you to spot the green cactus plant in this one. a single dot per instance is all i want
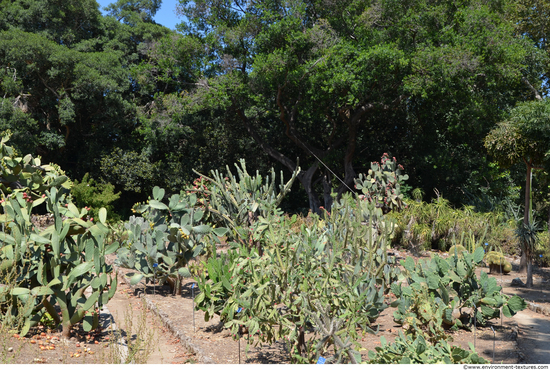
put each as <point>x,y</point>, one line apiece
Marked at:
<point>382,184</point>
<point>323,274</point>
<point>457,249</point>
<point>236,203</point>
<point>27,174</point>
<point>452,284</point>
<point>497,263</point>
<point>162,242</point>
<point>410,349</point>
<point>54,267</point>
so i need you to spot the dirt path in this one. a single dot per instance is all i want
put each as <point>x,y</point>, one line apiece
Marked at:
<point>139,323</point>
<point>534,336</point>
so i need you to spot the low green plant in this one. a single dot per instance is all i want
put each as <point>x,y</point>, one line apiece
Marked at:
<point>448,290</point>
<point>541,255</point>
<point>133,341</point>
<point>8,351</point>
<point>438,225</point>
<point>456,249</point>
<point>409,349</point>
<point>497,263</point>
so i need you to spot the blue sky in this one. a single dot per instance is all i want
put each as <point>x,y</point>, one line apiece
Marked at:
<point>165,16</point>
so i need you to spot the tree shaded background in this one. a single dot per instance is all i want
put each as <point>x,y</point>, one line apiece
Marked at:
<point>135,104</point>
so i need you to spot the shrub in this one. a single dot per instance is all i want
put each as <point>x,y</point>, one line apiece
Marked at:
<point>89,193</point>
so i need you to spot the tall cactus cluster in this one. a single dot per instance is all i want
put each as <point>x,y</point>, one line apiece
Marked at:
<point>237,202</point>
<point>382,184</point>
<point>60,271</point>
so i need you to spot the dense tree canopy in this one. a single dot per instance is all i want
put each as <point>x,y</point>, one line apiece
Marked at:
<point>343,81</point>
<point>333,83</point>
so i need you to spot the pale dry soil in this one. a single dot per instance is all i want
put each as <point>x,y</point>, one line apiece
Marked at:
<point>125,321</point>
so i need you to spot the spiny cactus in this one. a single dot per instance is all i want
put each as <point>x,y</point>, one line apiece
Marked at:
<point>55,268</point>
<point>27,174</point>
<point>457,249</point>
<point>382,184</point>
<point>497,263</point>
<point>161,243</point>
<point>238,202</point>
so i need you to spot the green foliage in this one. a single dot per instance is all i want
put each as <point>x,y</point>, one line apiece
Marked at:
<point>541,255</point>
<point>161,243</point>
<point>89,193</point>
<point>237,204</point>
<point>438,225</point>
<point>456,249</point>
<point>416,350</point>
<point>382,185</point>
<point>448,291</point>
<point>523,136</point>
<point>131,170</point>
<point>329,275</point>
<point>57,266</point>
<point>26,174</point>
<point>300,78</point>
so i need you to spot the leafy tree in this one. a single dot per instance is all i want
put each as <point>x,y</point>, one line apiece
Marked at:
<point>133,11</point>
<point>93,196</point>
<point>326,81</point>
<point>531,20</point>
<point>523,137</point>
<point>67,85</point>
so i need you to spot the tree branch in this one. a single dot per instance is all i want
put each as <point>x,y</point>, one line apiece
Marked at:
<point>533,90</point>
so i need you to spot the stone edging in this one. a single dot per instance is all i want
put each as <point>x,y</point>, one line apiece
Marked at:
<point>186,341</point>
<point>538,308</point>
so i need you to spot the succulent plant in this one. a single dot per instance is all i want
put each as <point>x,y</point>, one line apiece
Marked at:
<point>27,174</point>
<point>326,274</point>
<point>382,184</point>
<point>497,263</point>
<point>453,290</point>
<point>162,242</point>
<point>457,249</point>
<point>62,266</point>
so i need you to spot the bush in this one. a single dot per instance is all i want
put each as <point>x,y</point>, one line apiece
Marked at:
<point>89,193</point>
<point>541,257</point>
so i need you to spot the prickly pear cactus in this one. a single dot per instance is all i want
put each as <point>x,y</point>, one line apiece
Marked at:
<point>27,174</point>
<point>61,269</point>
<point>382,184</point>
<point>161,243</point>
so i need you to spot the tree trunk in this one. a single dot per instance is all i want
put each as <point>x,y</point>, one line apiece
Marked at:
<point>327,190</point>
<point>302,349</point>
<point>306,179</point>
<point>529,282</point>
<point>526,219</point>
